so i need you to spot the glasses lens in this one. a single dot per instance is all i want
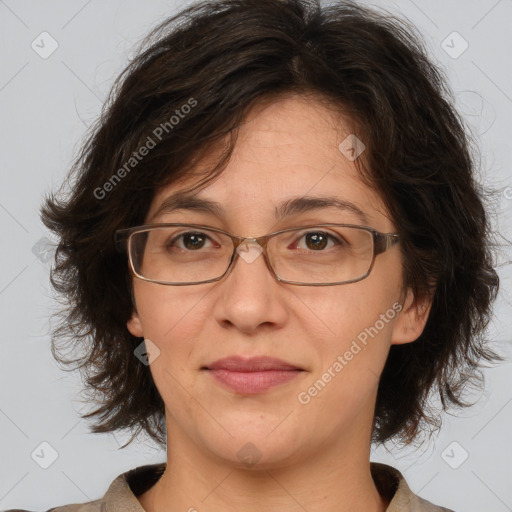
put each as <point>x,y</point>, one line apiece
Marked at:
<point>180,254</point>
<point>322,254</point>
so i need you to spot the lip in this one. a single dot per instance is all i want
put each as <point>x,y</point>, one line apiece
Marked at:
<point>253,375</point>
<point>251,364</point>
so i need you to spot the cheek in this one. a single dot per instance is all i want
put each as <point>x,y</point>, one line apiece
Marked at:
<point>173,319</point>
<point>344,311</point>
<point>356,322</point>
<point>354,325</point>
<point>163,310</point>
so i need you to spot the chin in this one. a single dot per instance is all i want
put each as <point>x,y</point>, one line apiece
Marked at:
<point>257,455</point>
<point>258,445</point>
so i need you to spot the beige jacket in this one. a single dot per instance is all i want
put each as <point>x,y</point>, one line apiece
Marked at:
<point>121,495</point>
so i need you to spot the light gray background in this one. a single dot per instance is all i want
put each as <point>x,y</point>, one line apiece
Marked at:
<point>46,105</point>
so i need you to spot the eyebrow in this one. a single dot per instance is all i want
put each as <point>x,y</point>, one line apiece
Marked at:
<point>307,203</point>
<point>287,208</point>
<point>189,202</point>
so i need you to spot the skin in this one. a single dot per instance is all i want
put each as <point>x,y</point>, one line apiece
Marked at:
<point>314,456</point>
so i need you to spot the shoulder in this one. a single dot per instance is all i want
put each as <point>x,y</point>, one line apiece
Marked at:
<point>391,484</point>
<point>91,506</point>
<point>121,494</point>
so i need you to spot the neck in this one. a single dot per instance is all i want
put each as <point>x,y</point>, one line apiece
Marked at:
<point>337,480</point>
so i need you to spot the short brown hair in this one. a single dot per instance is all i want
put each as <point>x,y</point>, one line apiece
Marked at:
<point>220,58</point>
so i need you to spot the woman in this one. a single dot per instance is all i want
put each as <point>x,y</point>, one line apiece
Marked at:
<point>273,251</point>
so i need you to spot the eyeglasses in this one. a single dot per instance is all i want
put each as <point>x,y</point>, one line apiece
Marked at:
<point>315,255</point>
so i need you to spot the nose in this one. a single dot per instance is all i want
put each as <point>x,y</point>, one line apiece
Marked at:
<point>250,297</point>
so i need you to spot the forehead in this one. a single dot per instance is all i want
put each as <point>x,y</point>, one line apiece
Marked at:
<point>286,149</point>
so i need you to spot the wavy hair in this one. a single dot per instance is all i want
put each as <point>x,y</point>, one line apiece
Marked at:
<point>220,58</point>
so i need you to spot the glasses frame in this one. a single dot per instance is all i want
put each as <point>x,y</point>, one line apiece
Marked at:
<point>381,243</point>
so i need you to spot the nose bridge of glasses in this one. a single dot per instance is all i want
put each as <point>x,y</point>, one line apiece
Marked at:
<point>250,248</point>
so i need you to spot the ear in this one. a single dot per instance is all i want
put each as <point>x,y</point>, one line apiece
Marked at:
<point>411,320</point>
<point>134,325</point>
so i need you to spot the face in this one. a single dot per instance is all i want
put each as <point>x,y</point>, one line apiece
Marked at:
<point>336,338</point>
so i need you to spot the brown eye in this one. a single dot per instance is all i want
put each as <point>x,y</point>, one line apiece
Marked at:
<point>190,241</point>
<point>316,241</point>
<point>194,240</point>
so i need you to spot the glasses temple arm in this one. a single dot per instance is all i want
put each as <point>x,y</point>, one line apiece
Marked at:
<point>384,241</point>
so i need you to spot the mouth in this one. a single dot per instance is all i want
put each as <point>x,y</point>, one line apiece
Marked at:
<point>253,375</point>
